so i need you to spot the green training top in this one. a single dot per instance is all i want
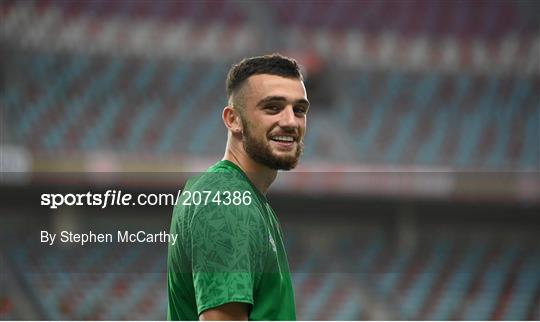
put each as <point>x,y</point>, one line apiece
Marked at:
<point>229,249</point>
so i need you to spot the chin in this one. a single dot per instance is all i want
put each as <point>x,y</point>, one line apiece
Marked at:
<point>286,163</point>
<point>285,160</point>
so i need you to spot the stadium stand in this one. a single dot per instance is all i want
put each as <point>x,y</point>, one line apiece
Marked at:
<point>81,103</point>
<point>455,17</point>
<point>447,276</point>
<point>453,85</point>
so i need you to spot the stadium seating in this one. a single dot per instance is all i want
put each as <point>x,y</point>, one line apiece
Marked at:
<point>197,11</point>
<point>461,18</point>
<point>73,102</point>
<point>455,17</point>
<point>444,277</point>
<point>77,103</point>
<point>444,84</point>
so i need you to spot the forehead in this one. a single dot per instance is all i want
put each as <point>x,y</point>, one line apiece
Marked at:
<point>263,85</point>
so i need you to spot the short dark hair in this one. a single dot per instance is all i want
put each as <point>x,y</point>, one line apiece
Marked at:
<point>274,64</point>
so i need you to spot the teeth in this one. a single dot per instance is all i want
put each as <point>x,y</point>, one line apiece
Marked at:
<point>283,138</point>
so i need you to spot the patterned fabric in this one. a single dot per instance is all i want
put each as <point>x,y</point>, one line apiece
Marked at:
<point>229,249</point>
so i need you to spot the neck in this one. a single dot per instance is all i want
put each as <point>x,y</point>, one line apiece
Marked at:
<point>260,175</point>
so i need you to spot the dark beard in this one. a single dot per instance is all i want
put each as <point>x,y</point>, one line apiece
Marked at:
<point>261,152</point>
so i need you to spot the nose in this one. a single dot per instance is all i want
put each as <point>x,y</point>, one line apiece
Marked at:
<point>288,118</point>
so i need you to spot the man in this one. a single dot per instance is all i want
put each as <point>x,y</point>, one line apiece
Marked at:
<point>230,263</point>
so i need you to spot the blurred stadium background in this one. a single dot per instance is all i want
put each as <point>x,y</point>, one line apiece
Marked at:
<point>418,196</point>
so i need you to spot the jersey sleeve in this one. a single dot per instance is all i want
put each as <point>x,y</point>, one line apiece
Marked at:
<point>228,248</point>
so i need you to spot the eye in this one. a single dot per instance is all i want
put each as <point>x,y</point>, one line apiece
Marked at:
<point>300,110</point>
<point>272,108</point>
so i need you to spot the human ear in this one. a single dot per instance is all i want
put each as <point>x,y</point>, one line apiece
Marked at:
<point>232,119</point>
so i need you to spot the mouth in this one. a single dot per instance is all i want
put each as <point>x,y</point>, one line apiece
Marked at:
<point>283,141</point>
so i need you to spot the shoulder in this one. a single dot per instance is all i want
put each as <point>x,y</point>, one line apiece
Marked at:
<point>223,196</point>
<point>220,181</point>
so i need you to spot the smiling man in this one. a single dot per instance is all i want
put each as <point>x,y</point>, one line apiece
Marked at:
<point>230,262</point>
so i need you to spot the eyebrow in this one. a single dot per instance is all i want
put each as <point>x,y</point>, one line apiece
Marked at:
<point>269,99</point>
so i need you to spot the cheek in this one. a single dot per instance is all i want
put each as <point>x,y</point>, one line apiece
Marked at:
<point>264,127</point>
<point>303,126</point>
<point>258,131</point>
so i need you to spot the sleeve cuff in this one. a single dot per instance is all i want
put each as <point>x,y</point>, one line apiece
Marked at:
<point>210,305</point>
